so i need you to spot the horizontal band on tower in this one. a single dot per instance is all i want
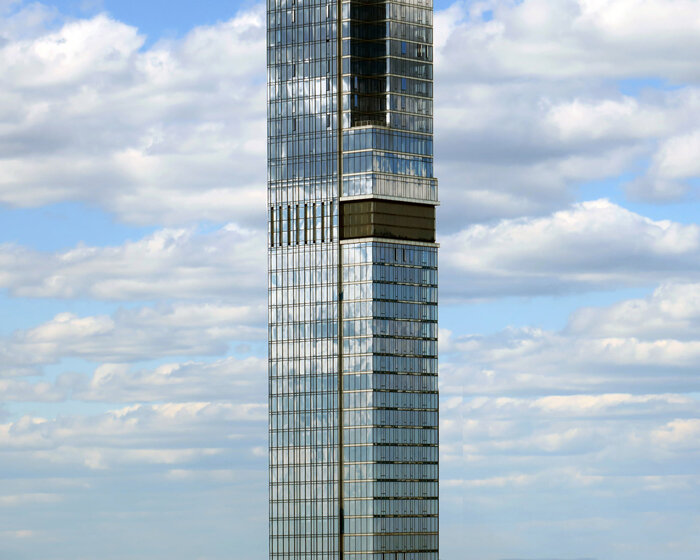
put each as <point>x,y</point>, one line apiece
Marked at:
<point>387,219</point>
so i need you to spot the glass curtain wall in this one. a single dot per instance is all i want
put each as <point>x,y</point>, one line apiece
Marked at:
<point>352,281</point>
<point>303,293</point>
<point>390,408</point>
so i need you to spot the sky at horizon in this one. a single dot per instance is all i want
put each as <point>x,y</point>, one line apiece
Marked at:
<point>132,279</point>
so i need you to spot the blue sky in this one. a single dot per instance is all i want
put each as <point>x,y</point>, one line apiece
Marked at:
<point>132,302</point>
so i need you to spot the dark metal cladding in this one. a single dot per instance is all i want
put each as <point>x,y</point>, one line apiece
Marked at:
<point>387,219</point>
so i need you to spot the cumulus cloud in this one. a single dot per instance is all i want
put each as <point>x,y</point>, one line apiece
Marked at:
<point>164,434</point>
<point>172,133</point>
<point>226,263</point>
<point>132,335</point>
<point>180,468</point>
<point>626,118</point>
<point>579,39</point>
<point>126,462</point>
<point>614,348</point>
<point>598,421</point>
<point>531,102</point>
<point>603,413</point>
<point>672,165</point>
<point>592,245</point>
<point>588,439</point>
<point>672,311</point>
<point>230,379</point>
<point>23,391</point>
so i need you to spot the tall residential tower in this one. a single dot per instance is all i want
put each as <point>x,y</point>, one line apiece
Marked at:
<point>352,281</point>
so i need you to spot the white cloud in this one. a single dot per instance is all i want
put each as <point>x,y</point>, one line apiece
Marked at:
<point>678,157</point>
<point>607,119</point>
<point>122,464</point>
<point>592,245</point>
<point>71,54</point>
<point>529,105</point>
<point>132,335</point>
<point>529,416</point>
<point>674,162</point>
<point>23,391</point>
<point>163,433</point>
<point>631,448</point>
<point>21,499</point>
<point>227,263</point>
<point>639,346</point>
<point>534,361</point>
<point>514,148</point>
<point>169,134</point>
<point>681,434</point>
<point>574,39</point>
<point>673,310</point>
<point>581,406</point>
<point>607,454</point>
<point>228,379</point>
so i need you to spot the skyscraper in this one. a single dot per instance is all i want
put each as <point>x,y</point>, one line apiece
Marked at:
<point>352,281</point>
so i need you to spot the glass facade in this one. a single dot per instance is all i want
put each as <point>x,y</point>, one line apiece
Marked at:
<point>352,281</point>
